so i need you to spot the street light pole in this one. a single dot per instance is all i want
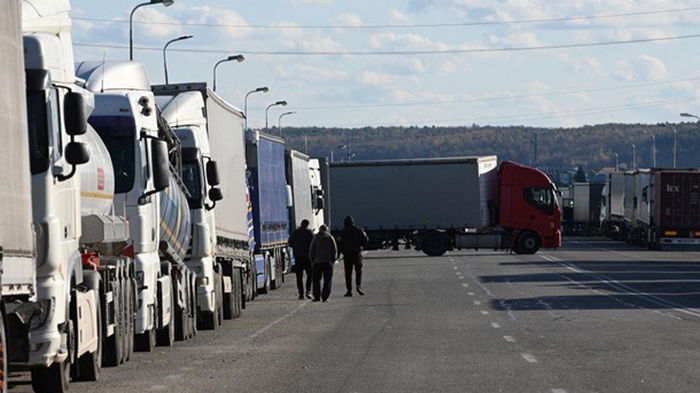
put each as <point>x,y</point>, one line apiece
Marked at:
<point>617,163</point>
<point>634,157</point>
<point>166,3</point>
<point>333,149</point>
<point>245,101</point>
<point>267,112</point>
<point>279,120</point>
<point>165,48</point>
<point>238,58</point>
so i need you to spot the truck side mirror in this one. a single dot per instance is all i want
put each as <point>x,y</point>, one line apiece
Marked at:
<point>77,153</point>
<point>74,114</point>
<point>161,165</point>
<point>290,196</point>
<point>213,173</point>
<point>319,203</point>
<point>215,194</point>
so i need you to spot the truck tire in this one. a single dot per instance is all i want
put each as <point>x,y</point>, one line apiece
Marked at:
<point>112,353</point>
<point>237,294</point>
<point>146,341</point>
<point>182,330</point>
<point>3,356</point>
<point>434,243</point>
<point>192,302</point>
<point>52,379</point>
<point>131,317</point>
<point>528,243</point>
<point>244,289</point>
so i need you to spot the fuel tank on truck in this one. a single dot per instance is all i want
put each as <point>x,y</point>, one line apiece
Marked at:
<point>96,177</point>
<point>175,225</point>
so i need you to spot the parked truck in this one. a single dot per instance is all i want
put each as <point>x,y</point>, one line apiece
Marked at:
<point>271,198</point>
<point>211,131</point>
<point>148,190</point>
<point>440,204</point>
<point>587,198</point>
<point>318,173</point>
<point>84,285</point>
<point>613,205</point>
<point>299,178</point>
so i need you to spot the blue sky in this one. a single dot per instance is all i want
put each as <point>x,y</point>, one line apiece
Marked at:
<point>645,82</point>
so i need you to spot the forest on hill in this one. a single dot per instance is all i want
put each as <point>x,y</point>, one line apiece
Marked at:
<point>590,147</point>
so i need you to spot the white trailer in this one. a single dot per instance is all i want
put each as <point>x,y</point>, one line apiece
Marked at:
<point>318,169</point>
<point>299,178</point>
<point>211,131</point>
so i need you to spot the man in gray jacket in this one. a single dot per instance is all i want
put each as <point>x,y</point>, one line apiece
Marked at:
<point>322,253</point>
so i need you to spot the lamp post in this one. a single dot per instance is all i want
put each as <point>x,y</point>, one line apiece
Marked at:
<point>238,58</point>
<point>617,163</point>
<point>165,48</point>
<point>279,120</point>
<point>337,147</point>
<point>267,111</point>
<point>245,101</point>
<point>634,157</point>
<point>675,146</point>
<point>166,3</point>
<point>653,147</point>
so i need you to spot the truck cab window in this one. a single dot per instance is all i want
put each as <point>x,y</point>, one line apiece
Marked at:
<point>38,132</point>
<point>119,135</point>
<point>540,198</point>
<point>191,176</point>
<point>55,124</point>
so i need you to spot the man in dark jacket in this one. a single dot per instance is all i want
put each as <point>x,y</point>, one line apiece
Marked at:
<point>323,253</point>
<point>300,241</point>
<point>352,239</point>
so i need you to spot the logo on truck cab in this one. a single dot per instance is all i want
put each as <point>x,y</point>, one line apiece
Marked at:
<point>672,188</point>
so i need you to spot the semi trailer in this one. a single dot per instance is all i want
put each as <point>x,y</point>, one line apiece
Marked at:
<point>298,172</point>
<point>271,198</point>
<point>211,132</point>
<point>318,174</point>
<point>613,205</point>
<point>148,190</point>
<point>440,204</point>
<point>84,284</point>
<point>587,199</point>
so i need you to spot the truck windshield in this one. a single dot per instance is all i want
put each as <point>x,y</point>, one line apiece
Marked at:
<point>119,133</point>
<point>191,176</point>
<point>541,198</point>
<point>37,123</point>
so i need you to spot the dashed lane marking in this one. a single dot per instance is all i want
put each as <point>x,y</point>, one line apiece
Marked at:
<point>278,320</point>
<point>455,267</point>
<point>510,339</point>
<point>495,325</point>
<point>464,284</point>
<point>557,391</point>
<point>471,294</point>
<point>483,312</point>
<point>530,358</point>
<point>477,303</point>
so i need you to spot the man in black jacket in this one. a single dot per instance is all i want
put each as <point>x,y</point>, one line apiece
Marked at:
<point>300,241</point>
<point>352,239</point>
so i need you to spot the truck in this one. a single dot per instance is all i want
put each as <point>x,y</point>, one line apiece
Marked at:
<point>668,209</point>
<point>84,284</point>
<point>17,237</point>
<point>587,198</point>
<point>213,139</point>
<point>271,198</point>
<point>146,160</point>
<point>318,174</point>
<point>441,204</point>
<point>298,171</point>
<point>613,205</point>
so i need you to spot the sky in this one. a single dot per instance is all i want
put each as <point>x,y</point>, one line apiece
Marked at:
<point>464,78</point>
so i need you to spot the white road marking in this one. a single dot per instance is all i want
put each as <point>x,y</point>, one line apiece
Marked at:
<point>495,325</point>
<point>510,339</point>
<point>530,358</point>
<point>464,284</point>
<point>455,267</point>
<point>483,312</point>
<point>557,391</point>
<point>460,277</point>
<point>471,294</point>
<point>278,320</point>
<point>477,303</point>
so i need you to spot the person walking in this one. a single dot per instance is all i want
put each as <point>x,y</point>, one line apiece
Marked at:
<point>352,240</point>
<point>300,241</point>
<point>322,253</point>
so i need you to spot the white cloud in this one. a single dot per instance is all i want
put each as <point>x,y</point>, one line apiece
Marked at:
<point>221,16</point>
<point>397,17</point>
<point>654,69</point>
<point>310,73</point>
<point>591,66</point>
<point>404,41</point>
<point>347,19</point>
<point>625,71</point>
<point>153,30</point>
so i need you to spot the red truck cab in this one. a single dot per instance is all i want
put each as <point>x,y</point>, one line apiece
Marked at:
<point>528,206</point>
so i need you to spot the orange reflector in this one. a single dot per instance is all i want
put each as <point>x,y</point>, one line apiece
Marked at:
<point>670,233</point>
<point>697,234</point>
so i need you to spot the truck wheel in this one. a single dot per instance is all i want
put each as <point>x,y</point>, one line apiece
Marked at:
<point>207,320</point>
<point>3,356</point>
<point>146,341</point>
<point>237,294</point>
<point>131,317</point>
<point>434,243</point>
<point>52,379</point>
<point>244,290</point>
<point>528,243</point>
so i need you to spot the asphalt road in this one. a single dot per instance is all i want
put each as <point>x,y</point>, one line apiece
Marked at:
<point>595,316</point>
